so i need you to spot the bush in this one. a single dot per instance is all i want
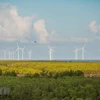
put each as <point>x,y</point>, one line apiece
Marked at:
<point>28,76</point>
<point>79,73</point>
<point>56,75</point>
<point>13,73</point>
<point>0,72</point>
<point>70,73</point>
<point>36,75</point>
<point>63,88</point>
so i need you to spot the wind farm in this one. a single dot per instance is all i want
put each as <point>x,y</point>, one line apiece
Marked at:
<point>23,53</point>
<point>49,49</point>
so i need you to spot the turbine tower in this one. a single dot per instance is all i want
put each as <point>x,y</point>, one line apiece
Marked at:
<point>76,53</point>
<point>18,49</point>
<point>22,49</point>
<point>9,54</point>
<point>5,53</point>
<point>83,50</point>
<point>50,52</point>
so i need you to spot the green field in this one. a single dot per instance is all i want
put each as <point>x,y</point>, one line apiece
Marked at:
<point>65,88</point>
<point>49,80</point>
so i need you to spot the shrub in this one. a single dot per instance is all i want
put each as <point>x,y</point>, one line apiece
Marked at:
<point>36,75</point>
<point>70,73</point>
<point>0,72</point>
<point>28,75</point>
<point>13,73</point>
<point>79,73</point>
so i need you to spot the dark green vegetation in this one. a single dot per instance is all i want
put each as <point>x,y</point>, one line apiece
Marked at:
<point>45,74</point>
<point>61,88</point>
<point>8,73</point>
<point>34,80</point>
<point>57,75</point>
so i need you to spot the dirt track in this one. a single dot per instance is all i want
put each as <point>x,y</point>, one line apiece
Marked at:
<point>92,75</point>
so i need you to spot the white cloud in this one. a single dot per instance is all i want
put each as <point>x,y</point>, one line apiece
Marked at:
<point>45,37</point>
<point>94,27</point>
<point>40,29</point>
<point>59,39</point>
<point>12,25</point>
<point>15,27</point>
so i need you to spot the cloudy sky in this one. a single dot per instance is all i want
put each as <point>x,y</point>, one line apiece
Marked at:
<point>62,24</point>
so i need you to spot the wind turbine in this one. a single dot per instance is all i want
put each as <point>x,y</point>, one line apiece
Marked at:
<point>50,52</point>
<point>5,53</point>
<point>30,54</point>
<point>18,49</point>
<point>83,50</point>
<point>22,49</point>
<point>9,54</point>
<point>76,53</point>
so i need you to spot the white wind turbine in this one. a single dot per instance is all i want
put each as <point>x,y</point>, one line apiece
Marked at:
<point>83,50</point>
<point>76,53</point>
<point>9,54</point>
<point>17,50</point>
<point>30,54</point>
<point>22,49</point>
<point>50,52</point>
<point>5,53</point>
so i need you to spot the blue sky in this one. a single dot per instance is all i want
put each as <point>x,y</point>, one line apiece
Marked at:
<point>63,24</point>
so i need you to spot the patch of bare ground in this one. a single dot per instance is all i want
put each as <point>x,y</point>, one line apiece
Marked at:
<point>20,75</point>
<point>92,75</point>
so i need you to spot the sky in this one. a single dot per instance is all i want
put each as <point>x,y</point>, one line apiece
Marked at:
<point>63,24</point>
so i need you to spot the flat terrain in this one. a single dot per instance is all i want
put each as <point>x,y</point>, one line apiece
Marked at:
<point>36,80</point>
<point>65,88</point>
<point>32,67</point>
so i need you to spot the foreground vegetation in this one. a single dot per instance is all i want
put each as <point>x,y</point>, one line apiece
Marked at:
<point>65,88</point>
<point>49,80</point>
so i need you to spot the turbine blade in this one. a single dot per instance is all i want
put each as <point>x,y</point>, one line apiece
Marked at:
<point>16,50</point>
<point>17,45</point>
<point>24,47</point>
<point>49,46</point>
<point>84,45</point>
